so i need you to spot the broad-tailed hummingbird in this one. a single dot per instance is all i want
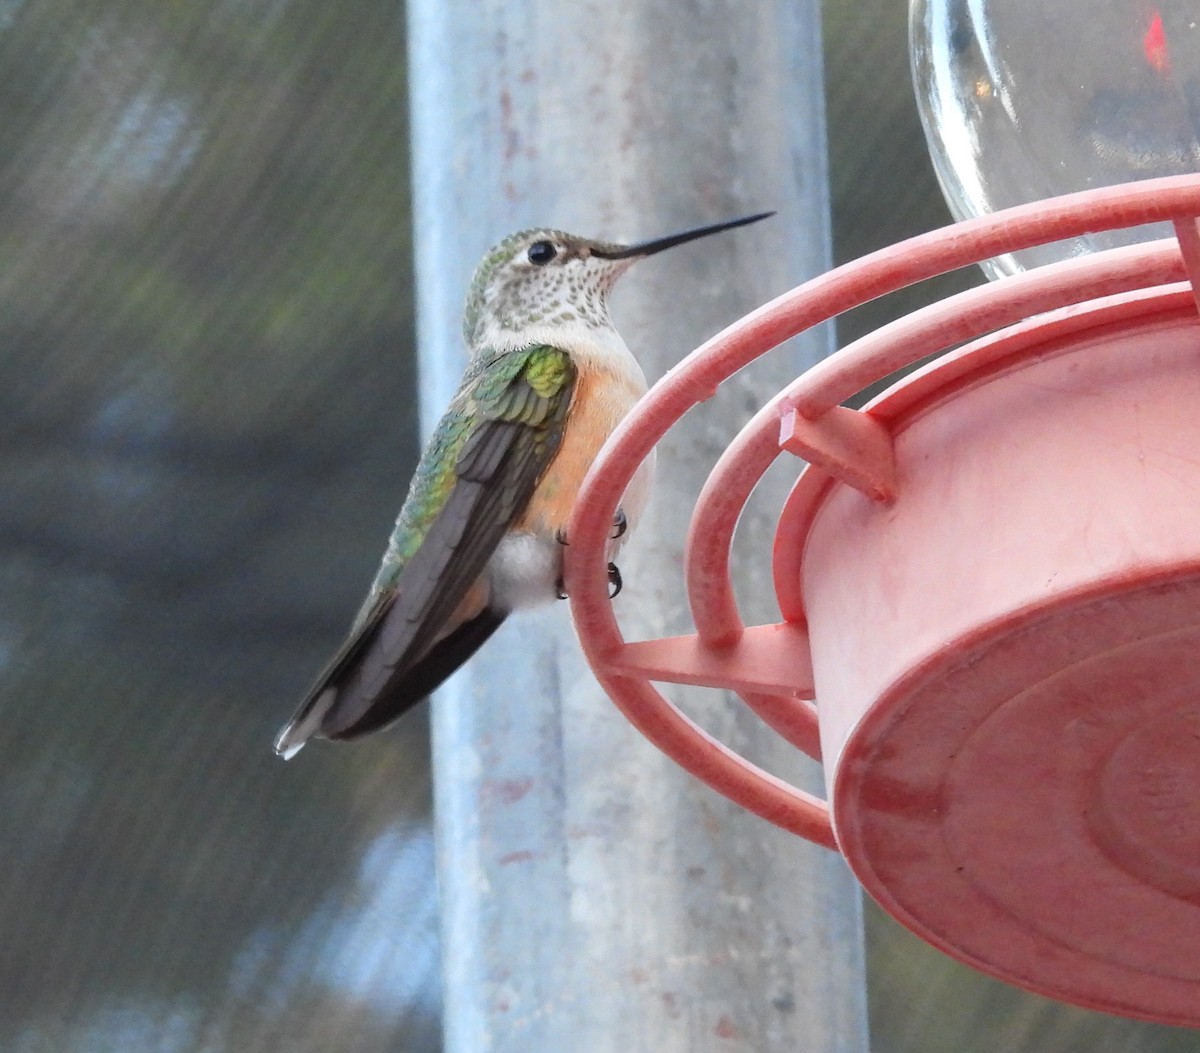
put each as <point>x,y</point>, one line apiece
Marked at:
<point>481,531</point>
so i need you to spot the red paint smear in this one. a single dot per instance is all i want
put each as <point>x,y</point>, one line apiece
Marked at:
<point>522,856</point>
<point>1154,45</point>
<point>506,791</point>
<point>725,1028</point>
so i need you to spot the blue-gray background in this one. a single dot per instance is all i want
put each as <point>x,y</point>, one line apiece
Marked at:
<point>206,426</point>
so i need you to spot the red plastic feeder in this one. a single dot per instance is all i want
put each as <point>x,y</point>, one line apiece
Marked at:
<point>989,582</point>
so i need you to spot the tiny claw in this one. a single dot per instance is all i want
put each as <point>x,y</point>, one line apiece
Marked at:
<point>560,589</point>
<point>614,579</point>
<point>620,525</point>
<point>560,535</point>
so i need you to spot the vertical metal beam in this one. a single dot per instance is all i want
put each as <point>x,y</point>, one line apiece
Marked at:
<point>594,897</point>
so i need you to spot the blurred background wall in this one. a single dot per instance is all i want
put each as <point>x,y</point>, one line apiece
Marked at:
<point>207,422</point>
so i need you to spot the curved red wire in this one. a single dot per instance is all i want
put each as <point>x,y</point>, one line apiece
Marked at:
<point>719,624</point>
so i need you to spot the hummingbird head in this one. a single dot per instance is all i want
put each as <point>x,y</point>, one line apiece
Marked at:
<point>545,279</point>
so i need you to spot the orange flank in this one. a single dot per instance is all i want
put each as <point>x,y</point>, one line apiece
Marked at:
<point>602,397</point>
<point>469,607</point>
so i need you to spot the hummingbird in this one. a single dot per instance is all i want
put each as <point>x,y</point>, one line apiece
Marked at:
<point>481,531</point>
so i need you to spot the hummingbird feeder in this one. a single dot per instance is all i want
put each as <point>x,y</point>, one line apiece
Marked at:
<point>988,578</point>
<point>989,591</point>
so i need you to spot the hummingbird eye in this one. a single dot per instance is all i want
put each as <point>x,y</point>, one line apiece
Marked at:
<point>541,253</point>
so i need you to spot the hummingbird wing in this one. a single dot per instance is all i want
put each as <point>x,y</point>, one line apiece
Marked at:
<point>427,612</point>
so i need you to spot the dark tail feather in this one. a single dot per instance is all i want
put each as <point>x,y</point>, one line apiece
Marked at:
<point>372,680</point>
<point>309,719</point>
<point>404,690</point>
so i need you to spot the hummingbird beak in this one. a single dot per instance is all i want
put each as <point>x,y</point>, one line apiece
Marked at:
<point>649,248</point>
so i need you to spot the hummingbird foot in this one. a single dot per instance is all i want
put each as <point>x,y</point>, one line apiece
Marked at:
<point>615,583</point>
<point>614,580</point>
<point>619,527</point>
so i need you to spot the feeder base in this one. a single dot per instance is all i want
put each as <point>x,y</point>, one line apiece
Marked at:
<point>1039,831</point>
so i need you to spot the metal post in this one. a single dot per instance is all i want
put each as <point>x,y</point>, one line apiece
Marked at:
<point>594,897</point>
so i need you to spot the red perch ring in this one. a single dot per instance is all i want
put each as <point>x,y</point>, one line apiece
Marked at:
<point>989,583</point>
